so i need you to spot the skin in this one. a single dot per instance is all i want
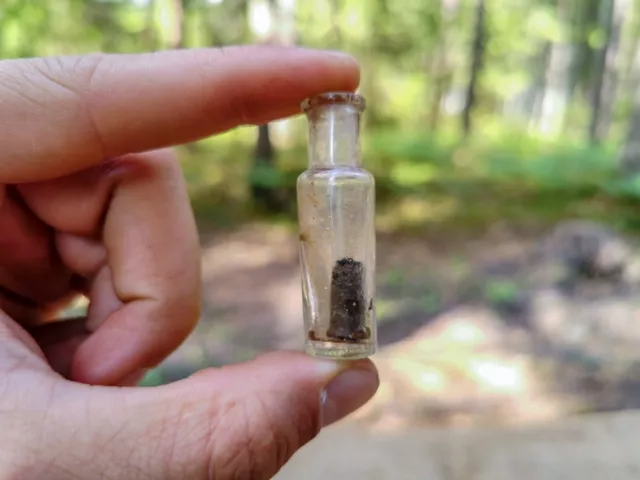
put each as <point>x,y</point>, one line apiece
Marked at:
<point>92,200</point>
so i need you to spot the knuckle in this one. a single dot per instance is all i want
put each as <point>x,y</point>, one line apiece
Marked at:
<point>64,81</point>
<point>74,75</point>
<point>154,164</point>
<point>238,449</point>
<point>166,161</point>
<point>16,82</point>
<point>71,80</point>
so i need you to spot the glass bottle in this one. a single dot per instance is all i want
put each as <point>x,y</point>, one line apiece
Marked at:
<point>336,207</point>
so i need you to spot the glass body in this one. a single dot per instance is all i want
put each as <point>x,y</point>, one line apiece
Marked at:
<point>336,208</point>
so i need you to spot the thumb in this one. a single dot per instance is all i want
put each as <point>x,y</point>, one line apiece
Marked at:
<point>242,421</point>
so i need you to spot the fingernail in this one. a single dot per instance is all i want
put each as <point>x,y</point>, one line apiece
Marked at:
<point>342,55</point>
<point>346,393</point>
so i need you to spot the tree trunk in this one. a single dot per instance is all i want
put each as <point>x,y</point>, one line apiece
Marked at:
<point>175,34</point>
<point>101,15</point>
<point>149,34</point>
<point>477,57</point>
<point>605,71</point>
<point>583,18</point>
<point>264,193</point>
<point>336,31</point>
<point>273,23</point>
<point>440,69</point>
<point>629,53</point>
<point>286,22</point>
<point>439,88</point>
<point>539,85</point>
<point>630,154</point>
<point>558,79</point>
<point>630,74</point>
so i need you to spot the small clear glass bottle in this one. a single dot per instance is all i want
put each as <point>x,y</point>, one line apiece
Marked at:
<point>336,208</point>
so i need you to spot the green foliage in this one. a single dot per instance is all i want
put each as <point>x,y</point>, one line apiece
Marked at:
<point>152,378</point>
<point>415,56</point>
<point>501,291</point>
<point>266,176</point>
<point>427,180</point>
<point>430,302</point>
<point>394,278</point>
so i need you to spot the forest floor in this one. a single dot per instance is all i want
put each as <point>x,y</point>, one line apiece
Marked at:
<point>506,329</point>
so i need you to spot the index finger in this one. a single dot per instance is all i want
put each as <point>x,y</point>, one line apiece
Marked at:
<point>62,114</point>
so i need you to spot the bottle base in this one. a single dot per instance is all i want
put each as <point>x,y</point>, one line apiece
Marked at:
<point>340,351</point>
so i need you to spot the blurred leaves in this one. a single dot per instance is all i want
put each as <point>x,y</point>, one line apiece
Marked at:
<point>266,176</point>
<point>501,291</point>
<point>414,56</point>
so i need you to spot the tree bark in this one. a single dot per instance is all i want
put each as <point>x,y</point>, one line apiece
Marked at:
<point>630,154</point>
<point>439,88</point>
<point>539,85</point>
<point>477,58</point>
<point>281,31</point>
<point>101,15</point>
<point>605,72</point>
<point>558,79</point>
<point>176,37</point>
<point>264,195</point>
<point>149,34</point>
<point>440,68</point>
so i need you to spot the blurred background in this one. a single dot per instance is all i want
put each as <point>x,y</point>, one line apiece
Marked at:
<point>505,140</point>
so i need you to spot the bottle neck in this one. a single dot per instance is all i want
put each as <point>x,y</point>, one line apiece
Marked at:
<point>334,136</point>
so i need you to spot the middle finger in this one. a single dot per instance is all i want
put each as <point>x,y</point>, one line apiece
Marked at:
<point>145,296</point>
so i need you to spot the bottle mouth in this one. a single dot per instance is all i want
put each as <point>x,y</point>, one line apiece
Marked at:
<point>334,98</point>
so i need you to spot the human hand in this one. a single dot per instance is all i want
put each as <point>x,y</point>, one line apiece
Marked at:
<point>91,201</point>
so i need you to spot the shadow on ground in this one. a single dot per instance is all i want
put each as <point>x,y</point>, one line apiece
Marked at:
<point>505,328</point>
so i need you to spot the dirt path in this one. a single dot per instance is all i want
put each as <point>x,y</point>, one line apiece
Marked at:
<point>252,299</point>
<point>587,448</point>
<point>474,334</point>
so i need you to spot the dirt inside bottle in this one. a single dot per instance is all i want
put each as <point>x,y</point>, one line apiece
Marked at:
<point>336,209</point>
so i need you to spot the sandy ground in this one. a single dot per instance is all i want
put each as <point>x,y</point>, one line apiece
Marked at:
<point>590,447</point>
<point>461,397</point>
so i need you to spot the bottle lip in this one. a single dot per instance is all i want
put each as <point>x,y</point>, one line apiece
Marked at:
<point>334,98</point>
